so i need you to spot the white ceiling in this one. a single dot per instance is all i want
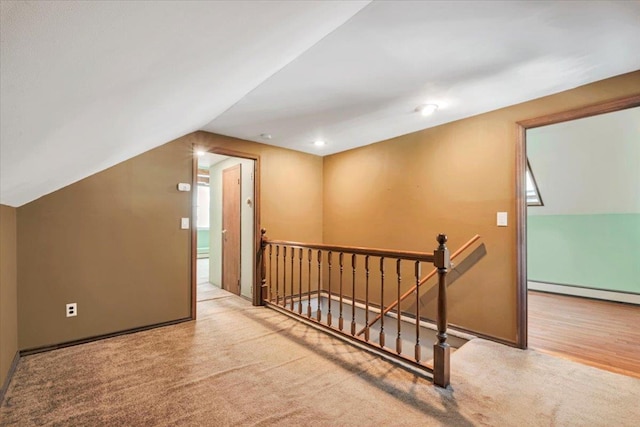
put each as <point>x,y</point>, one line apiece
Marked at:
<point>362,83</point>
<point>86,85</point>
<point>587,166</point>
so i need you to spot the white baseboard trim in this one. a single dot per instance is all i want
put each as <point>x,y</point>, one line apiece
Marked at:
<point>585,292</point>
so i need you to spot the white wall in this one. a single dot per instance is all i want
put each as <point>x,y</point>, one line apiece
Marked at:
<point>587,166</point>
<point>246,228</point>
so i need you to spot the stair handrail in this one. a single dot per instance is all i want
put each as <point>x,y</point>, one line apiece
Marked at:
<point>384,253</point>
<point>287,300</point>
<point>414,287</point>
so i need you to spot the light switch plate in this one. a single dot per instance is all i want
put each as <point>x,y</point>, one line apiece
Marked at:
<point>502,219</point>
<point>184,223</point>
<point>183,186</point>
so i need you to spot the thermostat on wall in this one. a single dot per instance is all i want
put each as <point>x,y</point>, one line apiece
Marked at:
<point>183,186</point>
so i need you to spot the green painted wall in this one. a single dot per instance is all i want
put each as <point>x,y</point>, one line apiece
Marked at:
<point>595,251</point>
<point>203,240</point>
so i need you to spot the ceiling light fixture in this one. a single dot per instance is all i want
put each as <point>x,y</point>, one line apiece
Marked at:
<point>319,143</point>
<point>200,153</point>
<point>426,109</point>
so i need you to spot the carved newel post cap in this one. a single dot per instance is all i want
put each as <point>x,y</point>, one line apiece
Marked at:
<point>263,238</point>
<point>442,238</point>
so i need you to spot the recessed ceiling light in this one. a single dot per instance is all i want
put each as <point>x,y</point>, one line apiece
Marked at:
<point>319,143</point>
<point>426,109</point>
<point>200,153</point>
<point>265,135</point>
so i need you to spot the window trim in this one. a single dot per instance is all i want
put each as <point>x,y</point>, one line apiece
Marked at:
<point>536,189</point>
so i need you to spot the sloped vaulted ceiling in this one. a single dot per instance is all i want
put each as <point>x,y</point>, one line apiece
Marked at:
<point>86,85</point>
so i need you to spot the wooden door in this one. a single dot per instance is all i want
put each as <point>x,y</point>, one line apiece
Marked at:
<point>231,181</point>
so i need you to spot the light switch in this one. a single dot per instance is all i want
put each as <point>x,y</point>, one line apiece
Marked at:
<point>184,223</point>
<point>502,219</point>
<point>183,186</point>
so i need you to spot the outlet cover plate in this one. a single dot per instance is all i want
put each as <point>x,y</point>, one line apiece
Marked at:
<point>72,309</point>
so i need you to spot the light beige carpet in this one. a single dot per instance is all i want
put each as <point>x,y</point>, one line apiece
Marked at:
<point>244,365</point>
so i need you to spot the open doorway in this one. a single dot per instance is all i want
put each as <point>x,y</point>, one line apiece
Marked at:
<point>579,234</point>
<point>226,216</point>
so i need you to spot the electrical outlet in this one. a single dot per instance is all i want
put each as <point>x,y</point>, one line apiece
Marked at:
<point>72,309</point>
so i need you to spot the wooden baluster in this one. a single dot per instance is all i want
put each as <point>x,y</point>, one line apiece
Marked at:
<point>366,298</point>
<point>398,338</point>
<point>284,276</point>
<point>417,274</point>
<point>277,274</point>
<point>300,281</point>
<point>329,303</point>
<point>353,295</point>
<point>319,313</point>
<point>441,350</point>
<point>293,255</point>
<point>340,319</point>
<point>381,339</point>
<point>309,256</point>
<point>264,290</point>
<point>422,282</point>
<point>270,274</point>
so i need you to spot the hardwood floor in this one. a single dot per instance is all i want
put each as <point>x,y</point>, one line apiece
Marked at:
<point>597,333</point>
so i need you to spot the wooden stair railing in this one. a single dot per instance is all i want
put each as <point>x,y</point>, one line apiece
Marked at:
<point>417,286</point>
<point>283,295</point>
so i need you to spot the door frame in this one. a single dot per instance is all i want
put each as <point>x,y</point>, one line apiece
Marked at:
<point>256,298</point>
<point>521,198</point>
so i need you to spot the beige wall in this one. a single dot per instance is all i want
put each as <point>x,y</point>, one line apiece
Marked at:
<point>452,178</point>
<point>112,242</point>
<point>291,187</point>
<point>8,290</point>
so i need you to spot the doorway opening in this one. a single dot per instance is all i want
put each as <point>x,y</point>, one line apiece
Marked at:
<point>226,216</point>
<point>579,234</point>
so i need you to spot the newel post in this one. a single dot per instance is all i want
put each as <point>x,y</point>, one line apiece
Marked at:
<point>264,291</point>
<point>441,350</point>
